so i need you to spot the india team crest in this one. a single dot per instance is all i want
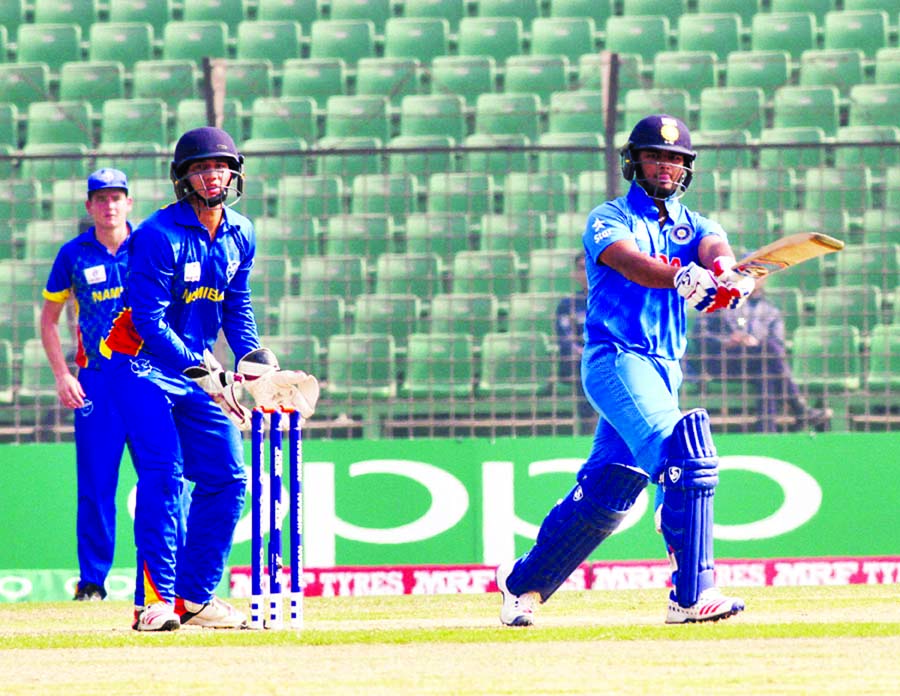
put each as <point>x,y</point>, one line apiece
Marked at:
<point>669,131</point>
<point>681,234</point>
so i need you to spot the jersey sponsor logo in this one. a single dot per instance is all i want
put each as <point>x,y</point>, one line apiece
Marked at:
<point>203,293</point>
<point>88,408</point>
<point>191,271</point>
<point>107,294</point>
<point>231,269</point>
<point>95,274</point>
<point>674,474</point>
<point>681,234</point>
<point>600,231</point>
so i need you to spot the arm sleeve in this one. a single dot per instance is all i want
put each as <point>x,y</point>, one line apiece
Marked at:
<point>150,276</point>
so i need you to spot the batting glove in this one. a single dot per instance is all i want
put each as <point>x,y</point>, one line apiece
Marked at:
<point>223,386</point>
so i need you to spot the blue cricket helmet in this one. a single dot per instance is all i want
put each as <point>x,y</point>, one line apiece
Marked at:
<point>658,132</point>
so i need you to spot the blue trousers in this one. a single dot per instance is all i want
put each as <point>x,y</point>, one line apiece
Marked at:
<point>178,433</point>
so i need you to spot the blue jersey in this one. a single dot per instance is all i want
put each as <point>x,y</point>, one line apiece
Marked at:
<point>182,287</point>
<point>87,271</point>
<point>649,321</point>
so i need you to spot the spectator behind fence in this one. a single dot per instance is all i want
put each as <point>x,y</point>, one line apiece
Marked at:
<point>570,338</point>
<point>749,344</point>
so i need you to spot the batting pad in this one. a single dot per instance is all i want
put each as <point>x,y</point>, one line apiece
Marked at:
<point>689,481</point>
<point>575,526</point>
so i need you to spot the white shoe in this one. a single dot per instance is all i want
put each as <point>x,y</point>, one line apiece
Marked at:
<point>158,616</point>
<point>216,613</point>
<point>517,610</point>
<point>711,605</point>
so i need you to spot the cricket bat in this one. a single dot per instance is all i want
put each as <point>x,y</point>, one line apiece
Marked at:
<point>785,252</point>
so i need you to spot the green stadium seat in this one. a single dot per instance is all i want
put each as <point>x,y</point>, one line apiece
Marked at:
<point>515,364</point>
<point>348,156</point>
<point>733,108</point>
<point>550,270</point>
<point>66,201</point>
<point>361,366</point>
<point>38,385</point>
<point>865,30</point>
<point>744,8</point>
<point>790,151</point>
<point>123,42</point>
<point>533,312</point>
<point>439,366</point>
<point>433,115</point>
<point>22,282</point>
<point>536,193</point>
<point>348,40</point>
<point>269,282</point>
<point>191,113</point>
<point>518,232</point>
<point>421,155</point>
<point>705,192</point>
<point>63,161</point>
<point>887,66</point>
<point>877,265</point>
<point>24,83</point>
<point>303,11</point>
<point>43,238</point>
<point>888,5</point>
<point>720,34</point>
<point>409,274</point>
<point>849,154</point>
<point>375,11</point>
<point>793,32</point>
<point>767,70</point>
<point>230,12</point>
<point>291,238</point>
<point>713,147</point>
<point>169,80</point>
<point>508,114</point>
<point>883,373</point>
<point>829,188</point>
<point>592,156</point>
<point>315,79</point>
<point>466,314</point>
<point>19,321</point>
<point>368,236</point>
<point>276,41</point>
<point>298,351</point>
<point>592,67</point>
<point>827,359</point>
<point>59,122</point>
<point>569,231</point>
<point>643,35</point>
<point>125,120</point>
<point>857,306</point>
<point>577,111</point>
<point>51,44</point>
<point>283,117</point>
<point>465,76</point>
<point>839,67</point>
<point>156,13</point>
<point>282,156</point>
<point>640,102</point>
<point>691,71</point>
<point>443,234</point>
<point>790,303</point>
<point>591,189</point>
<point>194,41</point>
<point>496,155</point>
<point>149,196</point>
<point>82,13</point>
<point>830,221</point>
<point>469,193</point>
<point>310,196</point>
<point>318,316</point>
<point>9,131</point>
<point>571,37</point>
<point>337,276</point>
<point>874,105</point>
<point>763,189</point>
<point>391,77</point>
<point>358,116</point>
<point>451,10</point>
<point>879,226</point>
<point>248,79</point>
<point>747,229</point>
<point>670,8</point>
<point>598,10</point>
<point>497,37</point>
<point>538,74</point>
<point>391,194</point>
<point>486,272</point>
<point>526,10</point>
<point>7,381</point>
<point>395,315</point>
<point>416,38</point>
<point>93,82</point>
<point>794,105</point>
<point>819,8</point>
<point>12,14</point>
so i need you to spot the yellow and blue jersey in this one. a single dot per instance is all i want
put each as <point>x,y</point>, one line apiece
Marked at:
<point>85,270</point>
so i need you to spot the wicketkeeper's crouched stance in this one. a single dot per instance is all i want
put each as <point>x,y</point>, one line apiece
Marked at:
<point>647,257</point>
<point>188,277</point>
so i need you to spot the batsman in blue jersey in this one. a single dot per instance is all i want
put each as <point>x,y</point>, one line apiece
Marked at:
<point>648,256</point>
<point>90,269</point>
<point>188,278</point>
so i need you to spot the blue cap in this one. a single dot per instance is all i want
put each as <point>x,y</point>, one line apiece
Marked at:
<point>107,178</point>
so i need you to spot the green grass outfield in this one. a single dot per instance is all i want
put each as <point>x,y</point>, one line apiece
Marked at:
<point>812,640</point>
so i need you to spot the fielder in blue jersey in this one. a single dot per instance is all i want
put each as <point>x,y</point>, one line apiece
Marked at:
<point>648,256</point>
<point>90,269</point>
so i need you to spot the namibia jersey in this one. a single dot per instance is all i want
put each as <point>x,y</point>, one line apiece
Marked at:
<point>182,287</point>
<point>85,269</point>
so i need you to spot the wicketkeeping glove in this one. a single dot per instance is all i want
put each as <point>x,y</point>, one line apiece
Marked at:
<point>223,386</point>
<point>275,389</point>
